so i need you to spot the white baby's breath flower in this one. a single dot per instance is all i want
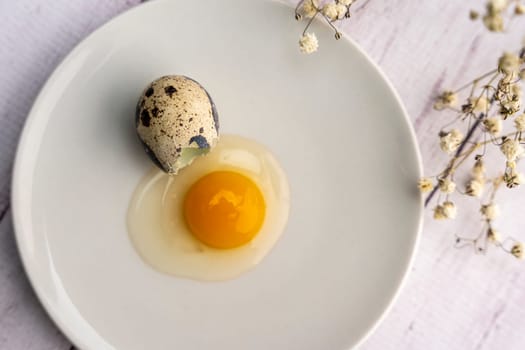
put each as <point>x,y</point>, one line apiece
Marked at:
<point>447,186</point>
<point>439,212</point>
<point>509,63</point>
<point>519,122</point>
<point>503,89</point>
<point>345,2</point>
<point>493,19</point>
<point>446,99</point>
<point>493,22</point>
<point>511,164</point>
<point>493,235</point>
<point>479,104</point>
<point>511,149</point>
<point>517,250</point>
<point>450,210</point>
<point>497,5</point>
<point>490,211</point>
<point>425,184</point>
<point>341,11</point>
<point>447,210</point>
<point>308,43</point>
<point>309,8</point>
<point>515,89</point>
<point>450,141</point>
<point>493,125</point>
<point>510,107</point>
<point>478,170</point>
<point>475,188</point>
<point>512,178</point>
<point>330,11</point>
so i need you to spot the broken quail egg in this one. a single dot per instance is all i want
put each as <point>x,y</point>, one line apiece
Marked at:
<point>176,121</point>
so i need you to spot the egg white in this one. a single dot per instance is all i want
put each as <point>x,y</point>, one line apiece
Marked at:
<point>159,233</point>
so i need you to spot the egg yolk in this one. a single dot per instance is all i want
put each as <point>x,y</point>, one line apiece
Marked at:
<point>224,209</point>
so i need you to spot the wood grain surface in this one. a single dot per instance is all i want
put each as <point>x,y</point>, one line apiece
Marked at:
<point>453,298</point>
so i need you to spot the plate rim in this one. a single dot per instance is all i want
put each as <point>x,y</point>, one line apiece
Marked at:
<point>413,138</point>
<point>72,333</point>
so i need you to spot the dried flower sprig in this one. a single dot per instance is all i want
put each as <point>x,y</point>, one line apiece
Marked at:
<point>493,102</point>
<point>489,235</point>
<point>497,11</point>
<point>331,11</point>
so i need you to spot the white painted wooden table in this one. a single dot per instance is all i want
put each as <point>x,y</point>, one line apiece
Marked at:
<point>453,299</point>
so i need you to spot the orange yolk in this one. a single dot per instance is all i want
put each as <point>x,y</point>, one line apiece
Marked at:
<point>224,209</point>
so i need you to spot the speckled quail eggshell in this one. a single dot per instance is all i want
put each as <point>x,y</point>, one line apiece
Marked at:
<point>174,114</point>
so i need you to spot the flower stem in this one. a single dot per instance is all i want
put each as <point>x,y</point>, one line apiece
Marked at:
<point>460,149</point>
<point>475,81</point>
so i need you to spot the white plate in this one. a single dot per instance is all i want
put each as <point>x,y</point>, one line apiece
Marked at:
<point>331,118</point>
